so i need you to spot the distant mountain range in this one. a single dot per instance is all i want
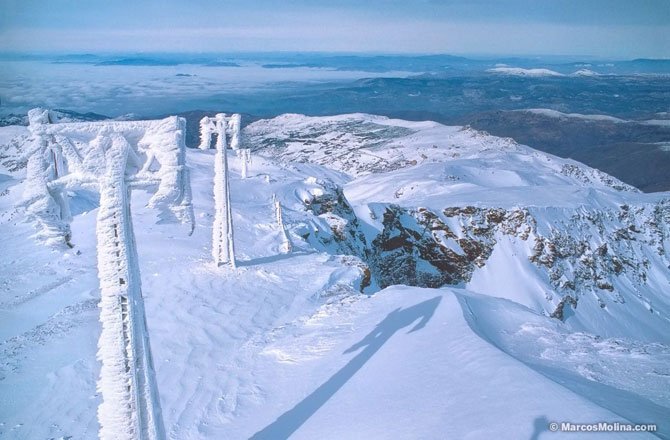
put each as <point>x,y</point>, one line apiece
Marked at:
<point>438,63</point>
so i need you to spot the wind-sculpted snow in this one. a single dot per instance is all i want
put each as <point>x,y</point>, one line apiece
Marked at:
<point>604,257</point>
<point>626,376</point>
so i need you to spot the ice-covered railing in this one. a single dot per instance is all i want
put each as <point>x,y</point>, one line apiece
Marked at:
<point>73,155</point>
<point>113,158</point>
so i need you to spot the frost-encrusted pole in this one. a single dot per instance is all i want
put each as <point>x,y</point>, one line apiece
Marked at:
<point>48,205</point>
<point>166,145</point>
<point>223,249</point>
<point>286,242</point>
<point>234,125</point>
<point>206,130</point>
<point>130,409</point>
<point>103,159</point>
<point>244,154</point>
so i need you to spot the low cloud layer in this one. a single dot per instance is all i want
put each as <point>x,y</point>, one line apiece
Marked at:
<point>146,90</point>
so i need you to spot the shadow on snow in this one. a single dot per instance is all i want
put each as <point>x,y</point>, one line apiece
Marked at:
<point>398,319</point>
<point>272,258</point>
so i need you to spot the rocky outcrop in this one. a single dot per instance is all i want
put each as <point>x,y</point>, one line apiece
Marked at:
<point>418,247</point>
<point>585,251</point>
<point>592,249</point>
<point>559,313</point>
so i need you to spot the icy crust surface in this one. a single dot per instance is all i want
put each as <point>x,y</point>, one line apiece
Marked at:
<point>553,303</point>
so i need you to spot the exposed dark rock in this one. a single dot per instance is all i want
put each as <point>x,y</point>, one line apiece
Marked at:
<point>559,313</point>
<point>415,246</point>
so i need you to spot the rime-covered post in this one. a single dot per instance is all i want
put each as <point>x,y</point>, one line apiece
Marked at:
<point>206,130</point>
<point>104,160</point>
<point>223,249</point>
<point>286,241</point>
<point>130,408</point>
<point>244,154</point>
<point>48,205</point>
<point>234,125</point>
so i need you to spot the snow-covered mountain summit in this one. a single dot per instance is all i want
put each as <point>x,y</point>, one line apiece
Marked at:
<point>361,144</point>
<point>425,204</point>
<point>500,284</point>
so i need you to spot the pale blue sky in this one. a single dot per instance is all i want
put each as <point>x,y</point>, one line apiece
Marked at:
<point>605,28</point>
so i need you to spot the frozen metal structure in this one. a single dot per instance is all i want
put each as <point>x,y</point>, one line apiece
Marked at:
<point>223,247</point>
<point>286,241</point>
<point>207,128</point>
<point>113,158</point>
<point>244,154</point>
<point>212,125</point>
<point>234,127</point>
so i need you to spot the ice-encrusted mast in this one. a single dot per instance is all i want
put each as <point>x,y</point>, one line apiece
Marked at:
<point>223,249</point>
<point>286,241</point>
<point>244,154</point>
<point>234,127</point>
<point>113,158</point>
<point>207,128</point>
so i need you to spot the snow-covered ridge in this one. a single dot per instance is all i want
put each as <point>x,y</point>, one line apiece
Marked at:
<point>519,71</point>
<point>598,118</point>
<point>557,114</point>
<point>585,72</point>
<point>360,144</point>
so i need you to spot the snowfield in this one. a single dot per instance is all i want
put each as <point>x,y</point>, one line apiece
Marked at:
<point>441,283</point>
<point>519,71</point>
<point>557,114</point>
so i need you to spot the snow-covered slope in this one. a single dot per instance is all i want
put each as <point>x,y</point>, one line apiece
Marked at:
<point>539,293</point>
<point>585,72</point>
<point>519,71</point>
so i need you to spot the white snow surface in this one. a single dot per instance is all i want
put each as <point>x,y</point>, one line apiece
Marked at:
<point>519,71</point>
<point>557,114</point>
<point>286,345</point>
<point>593,117</point>
<point>585,72</point>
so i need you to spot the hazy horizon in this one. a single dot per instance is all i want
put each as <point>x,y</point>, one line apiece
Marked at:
<point>547,57</point>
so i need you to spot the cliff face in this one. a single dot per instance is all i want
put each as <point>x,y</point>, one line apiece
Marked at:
<point>586,250</point>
